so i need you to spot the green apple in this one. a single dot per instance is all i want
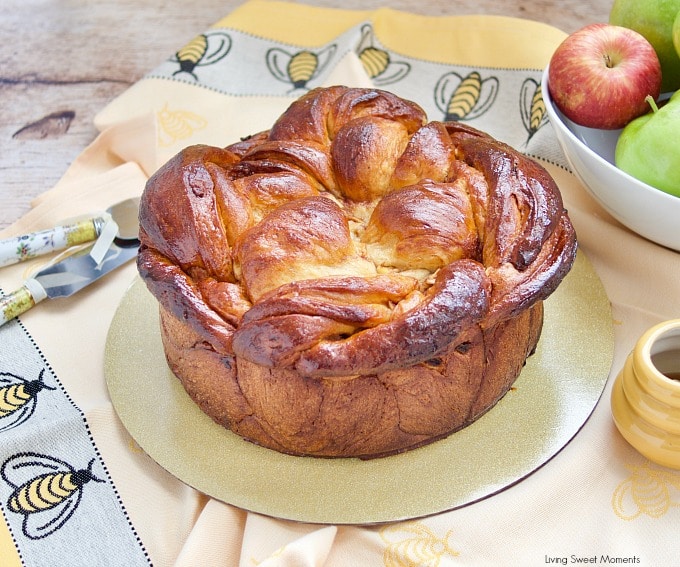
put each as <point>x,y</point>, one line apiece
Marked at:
<point>676,34</point>
<point>648,147</point>
<point>654,20</point>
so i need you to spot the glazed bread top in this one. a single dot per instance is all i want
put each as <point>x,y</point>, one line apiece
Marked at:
<point>353,237</point>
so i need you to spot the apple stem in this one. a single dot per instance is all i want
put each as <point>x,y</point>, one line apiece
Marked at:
<point>650,100</point>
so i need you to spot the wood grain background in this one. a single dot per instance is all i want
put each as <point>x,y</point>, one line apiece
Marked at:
<point>61,61</point>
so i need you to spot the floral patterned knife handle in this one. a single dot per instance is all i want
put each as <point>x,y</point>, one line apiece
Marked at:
<point>20,248</point>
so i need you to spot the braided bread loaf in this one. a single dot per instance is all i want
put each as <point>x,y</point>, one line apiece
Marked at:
<point>356,281</point>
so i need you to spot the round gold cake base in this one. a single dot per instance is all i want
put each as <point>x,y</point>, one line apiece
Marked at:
<point>548,404</point>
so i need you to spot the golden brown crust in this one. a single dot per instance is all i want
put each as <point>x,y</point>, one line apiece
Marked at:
<point>363,416</point>
<point>333,256</point>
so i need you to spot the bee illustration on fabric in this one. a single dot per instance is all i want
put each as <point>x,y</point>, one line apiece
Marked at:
<point>532,107</point>
<point>413,543</point>
<point>465,98</point>
<point>649,490</point>
<point>47,491</point>
<point>176,125</point>
<point>205,49</point>
<point>18,398</point>
<point>377,62</point>
<point>298,69</point>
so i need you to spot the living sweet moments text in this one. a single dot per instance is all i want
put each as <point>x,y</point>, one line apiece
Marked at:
<point>604,559</point>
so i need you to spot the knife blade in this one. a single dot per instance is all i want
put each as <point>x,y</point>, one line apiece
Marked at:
<point>65,277</point>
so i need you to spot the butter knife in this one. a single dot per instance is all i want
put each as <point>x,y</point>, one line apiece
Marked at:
<point>65,277</point>
<point>120,220</point>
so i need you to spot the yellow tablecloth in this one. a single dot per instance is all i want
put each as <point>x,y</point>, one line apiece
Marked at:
<point>596,501</point>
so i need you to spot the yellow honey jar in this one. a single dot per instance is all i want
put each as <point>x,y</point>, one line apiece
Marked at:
<point>646,395</point>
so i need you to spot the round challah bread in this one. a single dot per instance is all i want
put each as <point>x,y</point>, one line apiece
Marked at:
<point>356,281</point>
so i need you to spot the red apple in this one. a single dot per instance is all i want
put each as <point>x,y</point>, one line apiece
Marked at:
<point>600,75</point>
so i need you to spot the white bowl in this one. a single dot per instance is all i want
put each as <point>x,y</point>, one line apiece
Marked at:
<point>647,211</point>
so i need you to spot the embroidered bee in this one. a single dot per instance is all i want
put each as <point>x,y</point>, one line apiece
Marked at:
<point>532,107</point>
<point>298,69</point>
<point>18,398</point>
<point>176,125</point>
<point>649,490</point>
<point>204,49</point>
<point>377,62</point>
<point>47,491</point>
<point>465,98</point>
<point>413,543</point>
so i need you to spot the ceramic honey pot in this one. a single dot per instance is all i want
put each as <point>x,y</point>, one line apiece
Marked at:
<point>645,397</point>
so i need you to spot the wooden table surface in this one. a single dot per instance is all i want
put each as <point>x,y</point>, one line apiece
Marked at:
<point>64,60</point>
